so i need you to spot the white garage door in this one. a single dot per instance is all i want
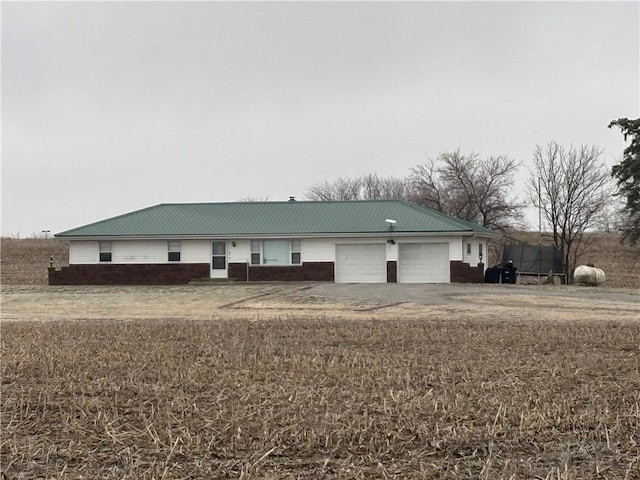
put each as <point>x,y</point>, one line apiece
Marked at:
<point>361,263</point>
<point>423,263</point>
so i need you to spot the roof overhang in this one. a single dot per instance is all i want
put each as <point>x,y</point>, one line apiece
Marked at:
<point>245,236</point>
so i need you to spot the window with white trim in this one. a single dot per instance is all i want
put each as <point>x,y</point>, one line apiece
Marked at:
<point>105,250</point>
<point>276,252</point>
<point>174,248</point>
<point>256,252</point>
<point>468,249</point>
<point>296,248</point>
<point>480,251</point>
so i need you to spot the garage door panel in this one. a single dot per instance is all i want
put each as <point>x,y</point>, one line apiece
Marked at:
<point>361,263</point>
<point>423,263</point>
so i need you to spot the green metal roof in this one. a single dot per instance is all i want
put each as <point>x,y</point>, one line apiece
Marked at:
<point>275,218</point>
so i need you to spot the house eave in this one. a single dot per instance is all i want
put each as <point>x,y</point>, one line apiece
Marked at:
<point>244,236</point>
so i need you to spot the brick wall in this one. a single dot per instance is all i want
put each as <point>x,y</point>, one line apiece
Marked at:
<point>166,274</point>
<point>464,273</point>
<point>308,271</point>
<point>128,274</point>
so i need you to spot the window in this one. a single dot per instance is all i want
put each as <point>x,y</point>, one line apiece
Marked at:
<point>276,252</point>
<point>468,249</point>
<point>295,252</point>
<point>174,247</point>
<point>105,251</point>
<point>256,248</point>
<point>480,251</point>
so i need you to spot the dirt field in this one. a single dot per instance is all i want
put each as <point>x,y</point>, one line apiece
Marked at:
<point>320,398</point>
<point>293,381</point>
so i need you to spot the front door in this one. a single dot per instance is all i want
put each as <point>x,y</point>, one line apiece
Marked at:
<point>219,259</point>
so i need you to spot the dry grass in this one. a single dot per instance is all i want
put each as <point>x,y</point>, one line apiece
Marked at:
<point>178,382</point>
<point>320,399</point>
<point>24,261</point>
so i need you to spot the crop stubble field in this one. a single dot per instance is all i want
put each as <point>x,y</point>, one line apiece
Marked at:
<point>273,381</point>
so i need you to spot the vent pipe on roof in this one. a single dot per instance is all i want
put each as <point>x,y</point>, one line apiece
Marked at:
<point>292,198</point>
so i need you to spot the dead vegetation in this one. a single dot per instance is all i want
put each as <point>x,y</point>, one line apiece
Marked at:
<point>320,398</point>
<point>24,261</point>
<point>268,382</point>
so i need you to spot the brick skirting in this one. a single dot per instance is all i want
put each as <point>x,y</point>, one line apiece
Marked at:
<point>181,273</point>
<point>128,274</point>
<point>461,272</point>
<point>307,272</point>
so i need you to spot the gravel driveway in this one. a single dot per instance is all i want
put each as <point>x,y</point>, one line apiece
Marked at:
<point>325,300</point>
<point>453,293</point>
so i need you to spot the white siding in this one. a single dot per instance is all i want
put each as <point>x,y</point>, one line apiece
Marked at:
<point>474,258</point>
<point>455,245</point>
<point>318,250</point>
<point>139,251</point>
<point>195,251</point>
<point>392,252</point>
<point>455,248</point>
<point>241,253</point>
<point>313,249</point>
<point>466,257</point>
<point>324,249</point>
<point>455,251</point>
<point>83,252</point>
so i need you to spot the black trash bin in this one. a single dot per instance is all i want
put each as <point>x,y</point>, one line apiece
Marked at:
<point>508,273</point>
<point>492,275</point>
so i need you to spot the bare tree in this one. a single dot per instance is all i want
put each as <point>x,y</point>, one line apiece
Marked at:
<point>343,188</point>
<point>613,217</point>
<point>384,188</point>
<point>367,187</point>
<point>572,188</point>
<point>470,188</point>
<point>428,189</point>
<point>250,199</point>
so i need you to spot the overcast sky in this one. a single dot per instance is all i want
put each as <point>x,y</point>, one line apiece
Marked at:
<point>111,107</point>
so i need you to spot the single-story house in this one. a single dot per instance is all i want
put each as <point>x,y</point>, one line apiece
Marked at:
<point>348,242</point>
